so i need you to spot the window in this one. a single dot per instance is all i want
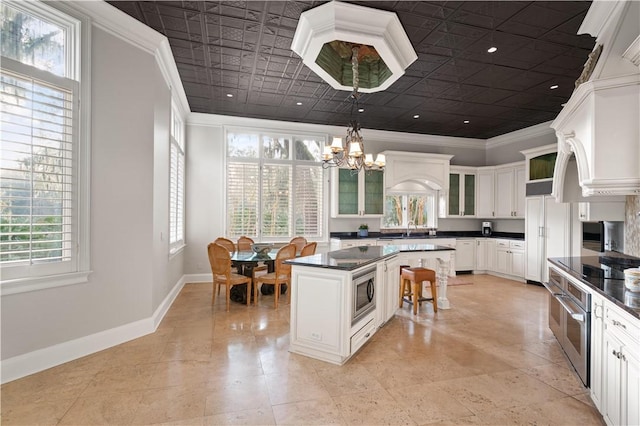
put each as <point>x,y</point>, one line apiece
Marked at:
<point>275,186</point>
<point>176,183</point>
<point>405,208</point>
<point>42,231</point>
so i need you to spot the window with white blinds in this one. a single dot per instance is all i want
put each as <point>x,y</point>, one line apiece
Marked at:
<point>176,183</point>
<point>41,231</point>
<point>275,186</point>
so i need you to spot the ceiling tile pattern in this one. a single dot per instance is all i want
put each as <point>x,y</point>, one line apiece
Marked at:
<point>242,48</point>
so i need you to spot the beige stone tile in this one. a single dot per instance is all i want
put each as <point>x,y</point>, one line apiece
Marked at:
<point>193,350</point>
<point>106,409</point>
<point>300,386</point>
<point>428,403</point>
<point>260,416</point>
<point>41,413</point>
<point>373,407</point>
<point>59,383</point>
<point>173,404</point>
<point>352,379</point>
<point>315,412</point>
<point>237,394</point>
<point>180,373</point>
<point>121,379</point>
<point>560,377</point>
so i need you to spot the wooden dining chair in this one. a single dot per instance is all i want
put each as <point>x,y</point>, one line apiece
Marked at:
<point>299,242</point>
<point>308,249</point>
<point>220,260</point>
<point>245,243</point>
<point>281,274</point>
<point>226,243</point>
<point>229,245</point>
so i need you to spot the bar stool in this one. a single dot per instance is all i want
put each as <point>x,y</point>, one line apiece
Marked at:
<point>411,286</point>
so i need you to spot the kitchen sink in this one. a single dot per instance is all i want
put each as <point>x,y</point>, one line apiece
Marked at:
<point>416,235</point>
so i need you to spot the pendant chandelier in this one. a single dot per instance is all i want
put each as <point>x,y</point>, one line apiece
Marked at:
<point>351,155</point>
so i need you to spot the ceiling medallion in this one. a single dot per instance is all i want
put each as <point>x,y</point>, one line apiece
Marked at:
<point>326,35</point>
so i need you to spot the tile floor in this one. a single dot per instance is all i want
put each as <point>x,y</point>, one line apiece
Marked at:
<point>489,360</point>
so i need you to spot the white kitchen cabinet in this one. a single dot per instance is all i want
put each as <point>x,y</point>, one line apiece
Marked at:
<point>465,254</point>
<point>339,244</point>
<point>321,312</point>
<point>620,367</point>
<point>387,299</point>
<point>485,190</point>
<point>547,234</point>
<point>357,195</point>
<point>597,326</point>
<point>461,200</point>
<point>491,254</point>
<point>510,258</point>
<point>613,211</point>
<point>481,254</point>
<point>510,190</point>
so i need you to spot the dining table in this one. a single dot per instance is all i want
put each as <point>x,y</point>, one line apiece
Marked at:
<point>246,261</point>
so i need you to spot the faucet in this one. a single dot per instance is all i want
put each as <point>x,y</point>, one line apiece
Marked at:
<point>409,227</point>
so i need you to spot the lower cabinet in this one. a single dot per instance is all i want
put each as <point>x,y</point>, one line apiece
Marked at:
<point>465,255</point>
<point>389,290</point>
<point>510,258</point>
<point>620,368</point>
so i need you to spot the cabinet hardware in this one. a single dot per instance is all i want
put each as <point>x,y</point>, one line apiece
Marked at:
<point>366,336</point>
<point>619,324</point>
<point>624,358</point>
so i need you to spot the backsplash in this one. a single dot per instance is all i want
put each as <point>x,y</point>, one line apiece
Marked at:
<point>632,226</point>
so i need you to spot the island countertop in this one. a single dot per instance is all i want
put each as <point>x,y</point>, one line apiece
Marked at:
<point>355,257</point>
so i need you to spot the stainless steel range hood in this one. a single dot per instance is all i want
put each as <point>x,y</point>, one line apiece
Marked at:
<point>600,124</point>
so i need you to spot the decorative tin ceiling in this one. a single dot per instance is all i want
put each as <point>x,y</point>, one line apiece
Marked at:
<point>242,49</point>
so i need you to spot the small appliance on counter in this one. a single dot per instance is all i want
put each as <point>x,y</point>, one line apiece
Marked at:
<point>486,229</point>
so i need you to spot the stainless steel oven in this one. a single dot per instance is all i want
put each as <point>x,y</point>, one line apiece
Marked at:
<point>570,321</point>
<point>364,289</point>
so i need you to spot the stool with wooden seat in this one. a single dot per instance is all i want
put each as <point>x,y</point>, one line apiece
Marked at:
<point>411,286</point>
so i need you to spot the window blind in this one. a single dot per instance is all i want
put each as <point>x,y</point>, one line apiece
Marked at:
<point>242,199</point>
<point>36,173</point>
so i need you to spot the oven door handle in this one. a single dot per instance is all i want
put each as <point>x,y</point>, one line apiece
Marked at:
<point>576,315</point>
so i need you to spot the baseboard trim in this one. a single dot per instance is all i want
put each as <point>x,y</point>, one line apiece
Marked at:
<point>198,278</point>
<point>42,359</point>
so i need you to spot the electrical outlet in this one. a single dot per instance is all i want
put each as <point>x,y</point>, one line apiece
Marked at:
<point>316,336</point>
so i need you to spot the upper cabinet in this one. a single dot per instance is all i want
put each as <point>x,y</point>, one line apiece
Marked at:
<point>461,200</point>
<point>357,195</point>
<point>510,187</point>
<point>500,191</point>
<point>485,200</point>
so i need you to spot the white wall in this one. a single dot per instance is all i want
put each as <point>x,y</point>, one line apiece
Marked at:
<point>132,272</point>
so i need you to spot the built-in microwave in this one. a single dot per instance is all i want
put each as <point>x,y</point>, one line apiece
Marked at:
<point>593,236</point>
<point>364,289</point>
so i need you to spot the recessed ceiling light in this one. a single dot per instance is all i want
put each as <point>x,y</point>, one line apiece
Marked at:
<point>492,49</point>
<point>229,95</point>
<point>360,109</point>
<point>555,86</point>
<point>298,103</point>
<point>416,116</point>
<point>466,121</point>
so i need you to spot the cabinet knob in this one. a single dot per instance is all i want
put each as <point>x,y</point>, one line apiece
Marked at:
<point>619,324</point>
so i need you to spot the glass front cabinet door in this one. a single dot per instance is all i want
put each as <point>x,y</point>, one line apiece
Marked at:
<point>462,192</point>
<point>357,195</point>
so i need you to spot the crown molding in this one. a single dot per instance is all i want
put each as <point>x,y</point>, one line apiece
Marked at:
<point>131,31</point>
<point>214,120</point>
<point>541,129</point>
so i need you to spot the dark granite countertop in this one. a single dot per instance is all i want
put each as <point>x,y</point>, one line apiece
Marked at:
<point>424,235</point>
<point>356,257</point>
<point>605,275</point>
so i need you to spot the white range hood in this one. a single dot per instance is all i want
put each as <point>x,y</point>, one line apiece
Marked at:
<point>600,124</point>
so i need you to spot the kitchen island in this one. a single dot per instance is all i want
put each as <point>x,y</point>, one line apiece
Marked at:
<point>331,319</point>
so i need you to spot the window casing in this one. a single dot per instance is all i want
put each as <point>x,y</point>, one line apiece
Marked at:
<point>44,238</point>
<point>275,186</point>
<point>403,209</point>
<point>176,183</point>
